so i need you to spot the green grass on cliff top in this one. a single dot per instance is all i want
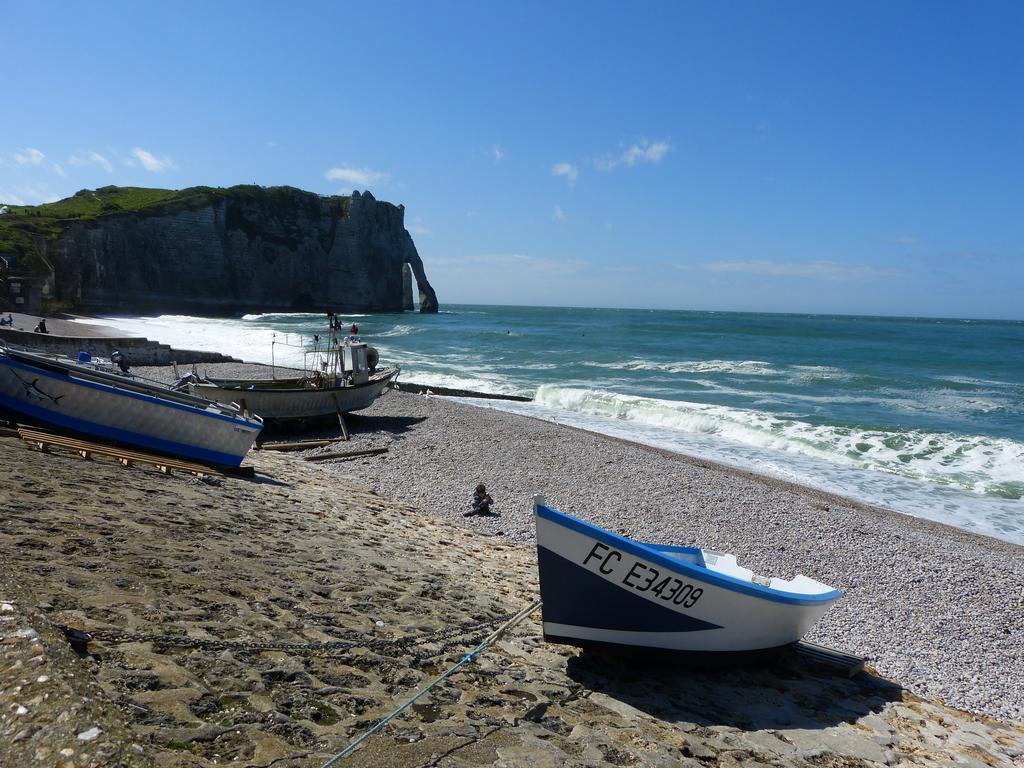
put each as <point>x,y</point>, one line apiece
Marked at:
<point>23,226</point>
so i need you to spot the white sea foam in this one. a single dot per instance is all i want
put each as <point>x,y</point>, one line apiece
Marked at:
<point>466,381</point>
<point>259,344</point>
<point>745,367</point>
<point>976,382</point>
<point>794,374</point>
<point>975,464</point>
<point>314,316</point>
<point>399,330</point>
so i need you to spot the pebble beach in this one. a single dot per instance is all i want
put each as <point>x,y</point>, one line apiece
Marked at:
<point>378,548</point>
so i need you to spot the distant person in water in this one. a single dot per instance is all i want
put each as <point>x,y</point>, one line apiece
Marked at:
<point>41,328</point>
<point>482,502</point>
<point>354,330</point>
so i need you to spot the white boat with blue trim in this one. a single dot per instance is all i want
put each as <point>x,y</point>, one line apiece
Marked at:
<point>124,409</point>
<point>601,589</point>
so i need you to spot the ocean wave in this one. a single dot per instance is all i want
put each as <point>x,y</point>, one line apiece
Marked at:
<point>399,330</point>
<point>746,367</point>
<point>290,316</point>
<point>973,381</point>
<point>227,336</point>
<point>950,401</point>
<point>797,374</point>
<point>466,381</point>
<point>981,465</point>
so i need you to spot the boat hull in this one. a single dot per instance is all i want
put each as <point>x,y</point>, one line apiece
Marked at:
<point>603,590</point>
<point>101,411</point>
<point>286,404</point>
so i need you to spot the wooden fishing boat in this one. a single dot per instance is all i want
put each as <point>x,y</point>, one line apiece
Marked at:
<point>104,406</point>
<point>601,589</point>
<point>301,398</point>
<point>342,377</point>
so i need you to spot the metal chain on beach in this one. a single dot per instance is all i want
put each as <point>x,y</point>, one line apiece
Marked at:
<point>82,638</point>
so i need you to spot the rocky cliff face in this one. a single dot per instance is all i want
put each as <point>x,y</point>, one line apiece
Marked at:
<point>241,249</point>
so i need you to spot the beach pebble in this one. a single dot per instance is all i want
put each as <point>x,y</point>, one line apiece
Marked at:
<point>23,634</point>
<point>89,735</point>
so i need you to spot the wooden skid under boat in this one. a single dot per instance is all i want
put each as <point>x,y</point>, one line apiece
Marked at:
<point>605,590</point>
<point>86,449</point>
<point>285,400</point>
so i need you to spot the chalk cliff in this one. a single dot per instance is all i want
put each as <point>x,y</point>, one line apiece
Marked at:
<point>227,250</point>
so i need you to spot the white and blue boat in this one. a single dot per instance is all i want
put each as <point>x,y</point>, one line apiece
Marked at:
<point>109,407</point>
<point>601,589</point>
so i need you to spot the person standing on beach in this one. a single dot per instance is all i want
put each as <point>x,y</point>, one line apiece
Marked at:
<point>482,502</point>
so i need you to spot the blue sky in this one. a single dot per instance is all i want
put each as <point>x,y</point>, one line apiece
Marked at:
<point>861,157</point>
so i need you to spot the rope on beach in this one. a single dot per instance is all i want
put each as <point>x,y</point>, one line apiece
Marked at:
<point>80,638</point>
<point>471,656</point>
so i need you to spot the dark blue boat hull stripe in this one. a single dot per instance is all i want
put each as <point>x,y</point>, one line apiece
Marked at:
<point>578,597</point>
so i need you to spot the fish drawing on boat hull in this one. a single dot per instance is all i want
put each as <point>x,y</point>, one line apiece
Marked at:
<point>33,391</point>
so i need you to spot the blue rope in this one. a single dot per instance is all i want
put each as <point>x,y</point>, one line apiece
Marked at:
<point>471,656</point>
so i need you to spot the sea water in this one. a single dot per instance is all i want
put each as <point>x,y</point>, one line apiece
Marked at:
<point>924,416</point>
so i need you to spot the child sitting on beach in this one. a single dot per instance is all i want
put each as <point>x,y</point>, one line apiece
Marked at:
<point>482,502</point>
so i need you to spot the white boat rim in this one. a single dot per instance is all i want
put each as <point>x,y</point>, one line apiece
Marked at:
<point>807,591</point>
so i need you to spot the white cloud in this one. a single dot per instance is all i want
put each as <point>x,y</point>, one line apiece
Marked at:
<point>417,227</point>
<point>472,214</point>
<point>151,162</point>
<point>570,171</point>
<point>91,158</point>
<point>517,261</point>
<point>357,177</point>
<point>29,194</point>
<point>907,240</point>
<point>497,151</point>
<point>815,270</point>
<point>643,152</point>
<point>559,214</point>
<point>29,156</point>
<point>59,170</point>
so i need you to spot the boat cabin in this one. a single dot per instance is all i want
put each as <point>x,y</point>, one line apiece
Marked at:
<point>354,361</point>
